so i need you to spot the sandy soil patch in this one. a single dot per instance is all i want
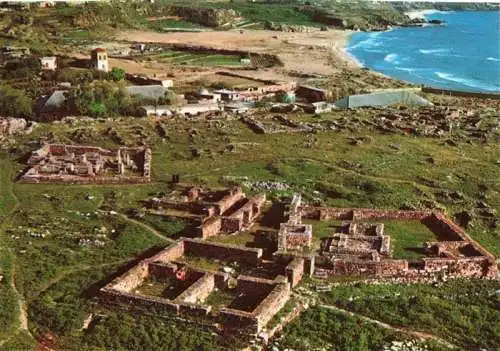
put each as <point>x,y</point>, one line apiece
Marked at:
<point>316,52</point>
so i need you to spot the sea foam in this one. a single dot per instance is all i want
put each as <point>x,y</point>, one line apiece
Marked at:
<point>391,58</point>
<point>468,82</point>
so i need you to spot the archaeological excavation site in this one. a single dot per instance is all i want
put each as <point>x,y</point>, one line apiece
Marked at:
<point>240,288</point>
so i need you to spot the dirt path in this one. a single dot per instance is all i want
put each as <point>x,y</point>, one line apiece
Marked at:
<point>23,314</point>
<point>417,334</point>
<point>147,227</point>
<point>67,272</point>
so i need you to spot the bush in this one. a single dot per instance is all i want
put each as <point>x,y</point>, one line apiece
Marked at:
<point>116,74</point>
<point>14,102</point>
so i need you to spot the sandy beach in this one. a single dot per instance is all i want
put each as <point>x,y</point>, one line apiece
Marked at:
<point>315,52</point>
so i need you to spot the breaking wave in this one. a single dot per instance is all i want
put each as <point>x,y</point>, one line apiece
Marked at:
<point>433,51</point>
<point>391,58</point>
<point>423,13</point>
<point>370,41</point>
<point>468,82</point>
<point>493,59</point>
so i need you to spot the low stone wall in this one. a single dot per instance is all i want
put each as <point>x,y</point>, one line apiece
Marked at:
<point>295,271</point>
<point>235,319</point>
<point>271,305</point>
<point>171,253</point>
<point>231,224</point>
<point>475,267</point>
<point>253,285</point>
<point>70,179</point>
<point>359,214</point>
<point>159,304</point>
<point>234,195</point>
<point>192,310</point>
<point>224,252</point>
<point>373,268</point>
<point>162,270</point>
<point>211,227</point>
<point>297,241</point>
<point>199,290</point>
<point>131,279</point>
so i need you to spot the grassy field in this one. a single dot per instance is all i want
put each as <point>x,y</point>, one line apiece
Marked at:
<point>319,328</point>
<point>53,270</point>
<point>407,237</point>
<point>461,311</point>
<point>196,59</point>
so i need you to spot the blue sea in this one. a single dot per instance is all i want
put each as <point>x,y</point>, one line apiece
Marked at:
<point>463,55</point>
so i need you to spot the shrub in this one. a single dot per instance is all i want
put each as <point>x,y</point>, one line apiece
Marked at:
<point>14,102</point>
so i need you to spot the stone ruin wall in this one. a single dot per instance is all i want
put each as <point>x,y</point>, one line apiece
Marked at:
<point>475,267</point>
<point>171,253</point>
<point>359,214</point>
<point>297,241</point>
<point>231,224</point>
<point>38,155</point>
<point>295,271</point>
<point>150,303</point>
<point>252,322</point>
<point>273,302</point>
<point>228,200</point>
<point>370,268</point>
<point>199,290</point>
<point>211,227</point>
<point>224,252</point>
<point>58,179</point>
<point>233,319</point>
<point>131,279</point>
<point>254,286</point>
<point>162,270</point>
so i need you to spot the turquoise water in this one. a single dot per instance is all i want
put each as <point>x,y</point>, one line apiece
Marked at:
<point>464,55</point>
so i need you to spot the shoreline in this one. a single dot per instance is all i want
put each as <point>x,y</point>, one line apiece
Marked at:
<point>428,82</point>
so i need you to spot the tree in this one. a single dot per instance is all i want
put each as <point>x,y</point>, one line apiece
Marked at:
<point>116,74</point>
<point>14,102</point>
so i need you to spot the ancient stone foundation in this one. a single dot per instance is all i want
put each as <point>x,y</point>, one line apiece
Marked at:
<point>58,163</point>
<point>226,211</point>
<point>256,300</point>
<point>363,249</point>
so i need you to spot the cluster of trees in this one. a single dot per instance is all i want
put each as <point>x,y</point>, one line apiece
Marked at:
<point>79,76</point>
<point>14,103</point>
<point>102,98</point>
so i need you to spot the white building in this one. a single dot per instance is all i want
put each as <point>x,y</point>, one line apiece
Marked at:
<point>99,59</point>
<point>49,63</point>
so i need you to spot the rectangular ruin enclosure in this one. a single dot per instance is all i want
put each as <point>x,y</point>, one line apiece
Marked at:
<point>217,211</point>
<point>188,279</point>
<point>423,244</point>
<point>58,163</point>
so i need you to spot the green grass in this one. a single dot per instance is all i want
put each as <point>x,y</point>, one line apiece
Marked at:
<point>461,311</point>
<point>166,226</point>
<point>219,298</point>
<point>161,24</point>
<point>319,328</point>
<point>198,59</point>
<point>407,235</point>
<point>7,173</point>
<point>268,12</point>
<point>233,239</point>
<point>342,174</point>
